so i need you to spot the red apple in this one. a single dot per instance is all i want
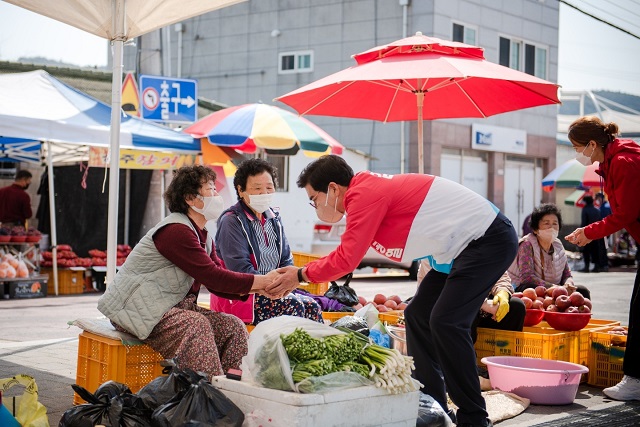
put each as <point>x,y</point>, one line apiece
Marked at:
<point>576,299</point>
<point>391,304</point>
<point>396,298</point>
<point>530,293</point>
<point>362,300</point>
<point>402,306</point>
<point>550,290</point>
<point>547,302</point>
<point>584,309</point>
<point>587,302</point>
<point>563,302</point>
<point>379,299</point>
<point>552,308</point>
<point>571,309</point>
<point>541,299</point>
<point>383,309</point>
<point>541,291</point>
<point>517,295</point>
<point>358,306</point>
<point>559,290</point>
<point>528,303</point>
<point>538,305</point>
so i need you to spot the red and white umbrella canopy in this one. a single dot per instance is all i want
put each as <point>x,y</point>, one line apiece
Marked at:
<point>420,78</point>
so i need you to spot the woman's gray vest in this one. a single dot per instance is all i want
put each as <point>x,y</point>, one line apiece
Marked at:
<point>147,285</point>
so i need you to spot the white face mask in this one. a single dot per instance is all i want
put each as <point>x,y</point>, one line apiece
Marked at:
<point>260,202</point>
<point>583,158</point>
<point>548,235</point>
<point>213,207</point>
<point>334,216</point>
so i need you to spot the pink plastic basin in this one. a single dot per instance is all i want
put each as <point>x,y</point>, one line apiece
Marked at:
<point>543,382</point>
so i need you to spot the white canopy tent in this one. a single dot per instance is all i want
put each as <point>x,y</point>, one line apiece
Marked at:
<point>119,21</point>
<point>36,108</point>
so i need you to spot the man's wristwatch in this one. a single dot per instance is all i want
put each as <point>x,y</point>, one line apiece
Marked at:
<point>300,278</point>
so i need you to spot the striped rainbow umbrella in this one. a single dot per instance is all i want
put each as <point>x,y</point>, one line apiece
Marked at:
<point>572,174</point>
<point>247,128</point>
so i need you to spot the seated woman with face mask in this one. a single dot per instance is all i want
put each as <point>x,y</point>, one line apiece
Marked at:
<point>251,239</point>
<point>541,258</point>
<point>154,294</point>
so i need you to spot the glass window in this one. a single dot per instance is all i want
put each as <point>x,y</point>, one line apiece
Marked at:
<point>464,34</point>
<point>541,63</point>
<point>296,62</point>
<point>281,163</point>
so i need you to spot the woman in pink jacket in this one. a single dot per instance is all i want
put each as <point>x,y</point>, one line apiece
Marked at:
<point>595,141</point>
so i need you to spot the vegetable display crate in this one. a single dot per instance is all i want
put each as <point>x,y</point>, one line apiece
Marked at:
<point>391,317</point>
<point>70,282</point>
<point>101,359</point>
<point>301,259</point>
<point>605,358</point>
<point>580,341</point>
<point>362,406</point>
<point>541,343</point>
<point>332,316</point>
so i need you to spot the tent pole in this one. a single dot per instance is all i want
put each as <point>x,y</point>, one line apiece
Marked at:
<point>420,98</point>
<point>127,204</point>
<point>52,218</point>
<point>114,147</point>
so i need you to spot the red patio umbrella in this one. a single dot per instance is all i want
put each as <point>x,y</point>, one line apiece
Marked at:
<point>418,78</point>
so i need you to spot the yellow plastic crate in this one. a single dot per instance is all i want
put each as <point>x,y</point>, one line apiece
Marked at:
<point>332,316</point>
<point>101,359</point>
<point>539,343</point>
<point>70,282</point>
<point>391,317</point>
<point>580,341</point>
<point>301,259</point>
<point>605,357</point>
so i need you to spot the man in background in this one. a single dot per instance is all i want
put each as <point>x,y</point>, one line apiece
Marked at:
<point>592,251</point>
<point>15,203</point>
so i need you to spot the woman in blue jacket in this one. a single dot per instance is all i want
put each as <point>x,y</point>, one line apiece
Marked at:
<point>250,238</point>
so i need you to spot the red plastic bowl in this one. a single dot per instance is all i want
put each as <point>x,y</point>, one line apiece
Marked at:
<point>567,321</point>
<point>33,239</point>
<point>5,238</point>
<point>533,317</point>
<point>18,239</point>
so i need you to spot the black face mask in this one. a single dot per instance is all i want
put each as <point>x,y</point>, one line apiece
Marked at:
<point>26,186</point>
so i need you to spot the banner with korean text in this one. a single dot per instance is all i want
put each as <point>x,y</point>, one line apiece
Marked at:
<point>141,159</point>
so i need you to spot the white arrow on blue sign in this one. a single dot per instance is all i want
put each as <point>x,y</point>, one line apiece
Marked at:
<point>167,99</point>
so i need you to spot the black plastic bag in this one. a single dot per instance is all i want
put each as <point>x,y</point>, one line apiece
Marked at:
<point>354,323</point>
<point>200,405</point>
<point>343,294</point>
<point>162,389</point>
<point>112,405</point>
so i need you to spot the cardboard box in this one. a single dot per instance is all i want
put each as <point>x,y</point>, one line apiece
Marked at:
<point>33,287</point>
<point>361,406</point>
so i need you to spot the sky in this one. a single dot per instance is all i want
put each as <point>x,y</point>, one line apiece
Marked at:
<point>591,54</point>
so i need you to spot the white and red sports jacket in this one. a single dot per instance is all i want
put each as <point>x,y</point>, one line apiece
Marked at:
<point>405,217</point>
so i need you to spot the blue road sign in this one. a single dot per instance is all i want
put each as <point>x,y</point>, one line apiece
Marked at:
<point>166,99</point>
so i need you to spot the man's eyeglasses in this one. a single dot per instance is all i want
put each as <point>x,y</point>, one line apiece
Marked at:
<point>312,202</point>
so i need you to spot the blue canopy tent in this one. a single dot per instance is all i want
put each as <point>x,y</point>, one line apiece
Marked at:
<point>41,115</point>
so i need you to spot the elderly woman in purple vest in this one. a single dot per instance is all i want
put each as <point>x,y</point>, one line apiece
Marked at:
<point>541,258</point>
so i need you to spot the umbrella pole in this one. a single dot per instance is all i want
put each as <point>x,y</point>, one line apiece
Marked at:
<point>52,218</point>
<point>114,147</point>
<point>420,99</point>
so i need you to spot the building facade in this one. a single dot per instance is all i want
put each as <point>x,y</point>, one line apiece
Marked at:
<point>260,49</point>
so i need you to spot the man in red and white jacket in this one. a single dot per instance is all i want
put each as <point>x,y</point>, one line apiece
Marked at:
<point>467,241</point>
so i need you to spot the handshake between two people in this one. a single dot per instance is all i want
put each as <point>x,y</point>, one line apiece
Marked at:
<point>277,283</point>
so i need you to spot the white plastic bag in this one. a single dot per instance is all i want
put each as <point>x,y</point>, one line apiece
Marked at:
<point>267,363</point>
<point>369,313</point>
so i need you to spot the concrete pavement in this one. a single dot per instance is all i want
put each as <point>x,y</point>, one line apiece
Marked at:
<point>35,339</point>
